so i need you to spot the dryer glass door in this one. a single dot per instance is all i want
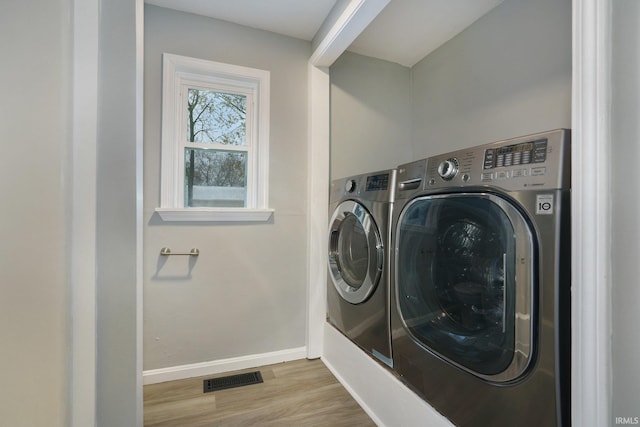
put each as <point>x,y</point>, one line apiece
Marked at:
<point>464,284</point>
<point>355,252</point>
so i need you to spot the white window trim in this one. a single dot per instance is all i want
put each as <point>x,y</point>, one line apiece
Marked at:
<point>178,71</point>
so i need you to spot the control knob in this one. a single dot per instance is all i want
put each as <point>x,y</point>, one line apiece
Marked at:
<point>448,169</point>
<point>350,186</point>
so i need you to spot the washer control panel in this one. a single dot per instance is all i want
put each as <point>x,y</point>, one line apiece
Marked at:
<point>534,161</point>
<point>516,154</point>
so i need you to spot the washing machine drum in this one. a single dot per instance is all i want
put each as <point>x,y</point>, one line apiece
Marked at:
<point>355,252</point>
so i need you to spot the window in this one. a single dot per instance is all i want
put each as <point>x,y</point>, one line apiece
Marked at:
<point>215,140</point>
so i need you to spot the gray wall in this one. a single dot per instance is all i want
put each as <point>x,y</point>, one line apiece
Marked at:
<point>625,207</point>
<point>246,292</point>
<point>34,232</point>
<point>507,75</point>
<point>116,377</point>
<point>370,115</point>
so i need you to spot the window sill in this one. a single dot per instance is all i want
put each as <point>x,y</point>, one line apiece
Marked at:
<point>214,215</point>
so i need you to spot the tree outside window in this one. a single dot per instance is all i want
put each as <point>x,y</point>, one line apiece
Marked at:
<point>215,177</point>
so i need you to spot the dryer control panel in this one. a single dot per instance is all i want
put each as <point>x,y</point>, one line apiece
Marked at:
<point>376,186</point>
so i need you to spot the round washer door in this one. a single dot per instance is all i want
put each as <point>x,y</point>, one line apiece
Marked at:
<point>355,252</point>
<point>465,286</point>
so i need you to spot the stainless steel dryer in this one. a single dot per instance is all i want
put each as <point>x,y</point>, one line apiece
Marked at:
<point>480,308</point>
<point>359,260</point>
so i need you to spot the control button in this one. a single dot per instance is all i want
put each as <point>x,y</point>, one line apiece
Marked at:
<point>502,175</point>
<point>489,157</point>
<point>448,169</point>
<point>466,177</point>
<point>519,173</point>
<point>508,159</point>
<point>350,186</point>
<point>540,151</point>
<point>517,157</point>
<point>538,171</point>
<point>487,176</point>
<point>432,181</point>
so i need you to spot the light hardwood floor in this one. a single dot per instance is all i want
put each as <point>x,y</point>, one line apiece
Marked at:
<point>298,393</point>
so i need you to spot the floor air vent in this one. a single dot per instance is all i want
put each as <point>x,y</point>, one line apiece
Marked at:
<point>232,381</point>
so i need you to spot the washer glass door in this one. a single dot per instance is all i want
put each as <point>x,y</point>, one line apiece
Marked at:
<point>355,252</point>
<point>464,282</point>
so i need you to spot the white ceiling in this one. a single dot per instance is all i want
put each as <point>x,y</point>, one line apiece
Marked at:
<point>404,32</point>
<point>296,18</point>
<point>408,30</point>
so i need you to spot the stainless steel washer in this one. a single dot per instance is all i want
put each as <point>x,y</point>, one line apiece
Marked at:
<point>359,260</point>
<point>480,309</point>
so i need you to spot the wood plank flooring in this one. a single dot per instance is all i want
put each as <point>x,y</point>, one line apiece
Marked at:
<point>298,393</point>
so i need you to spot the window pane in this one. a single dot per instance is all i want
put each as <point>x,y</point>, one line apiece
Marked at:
<point>215,178</point>
<point>216,117</point>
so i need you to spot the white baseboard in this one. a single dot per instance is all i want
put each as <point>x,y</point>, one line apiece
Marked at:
<point>181,372</point>
<point>382,396</point>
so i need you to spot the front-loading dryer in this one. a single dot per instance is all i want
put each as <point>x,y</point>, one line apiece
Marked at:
<point>481,302</point>
<point>359,260</point>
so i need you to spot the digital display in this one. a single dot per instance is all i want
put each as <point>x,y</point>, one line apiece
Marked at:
<point>378,182</point>
<point>515,148</point>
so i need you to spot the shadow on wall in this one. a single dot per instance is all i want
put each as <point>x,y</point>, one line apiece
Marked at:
<point>169,266</point>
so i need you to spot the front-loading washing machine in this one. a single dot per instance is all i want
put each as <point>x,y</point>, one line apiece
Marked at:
<point>359,260</point>
<point>481,302</point>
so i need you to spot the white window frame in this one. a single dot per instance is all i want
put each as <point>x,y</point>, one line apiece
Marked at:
<point>181,73</point>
